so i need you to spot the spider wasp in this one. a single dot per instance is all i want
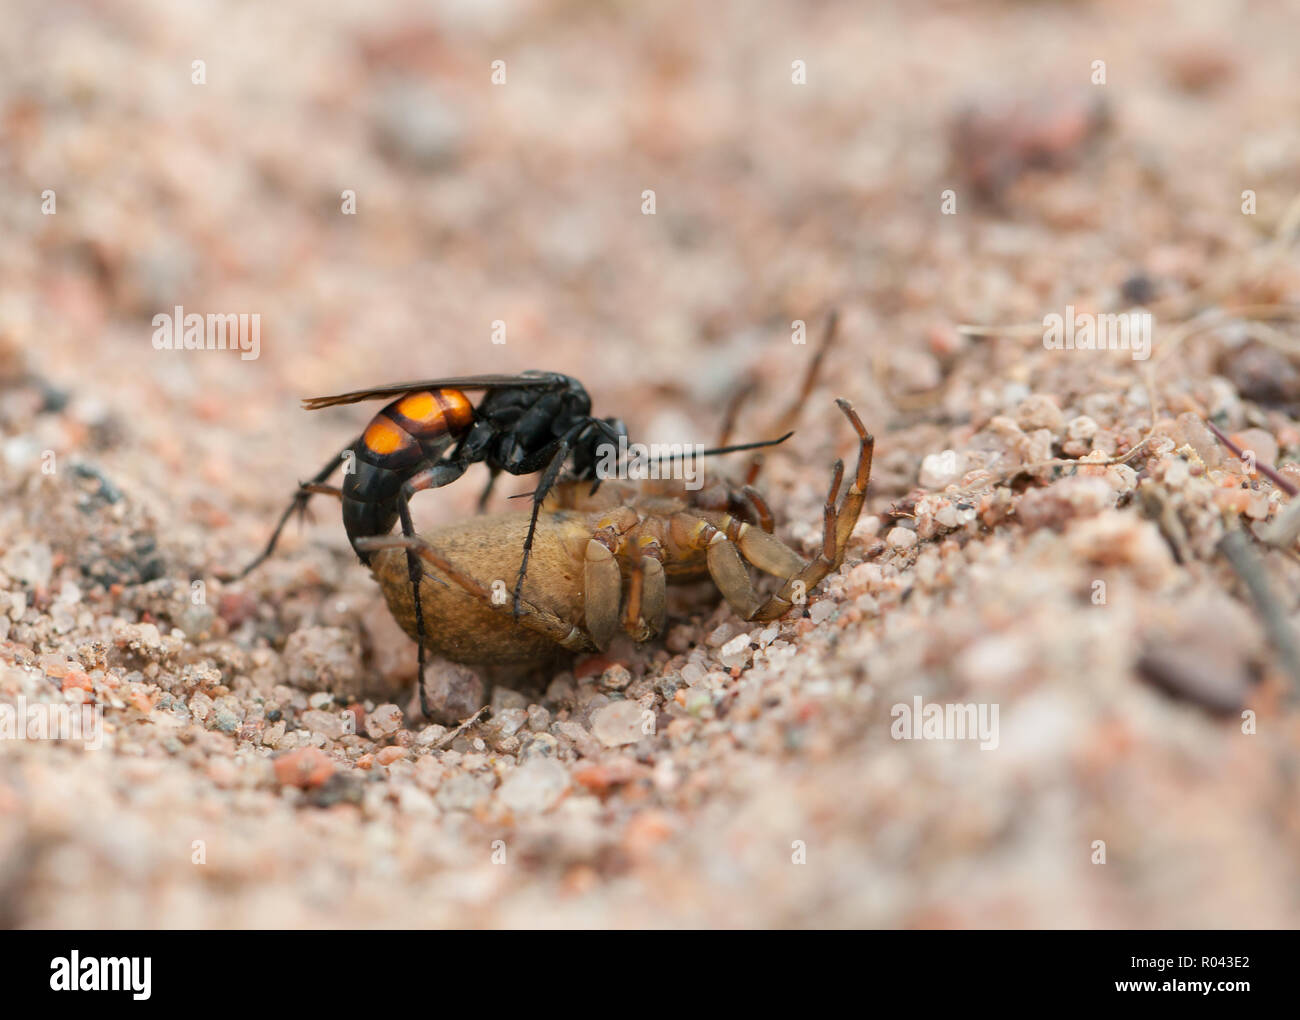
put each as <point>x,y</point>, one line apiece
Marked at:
<point>431,433</point>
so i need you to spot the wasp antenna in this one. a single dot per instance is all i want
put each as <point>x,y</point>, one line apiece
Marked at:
<point>718,450</point>
<point>746,446</point>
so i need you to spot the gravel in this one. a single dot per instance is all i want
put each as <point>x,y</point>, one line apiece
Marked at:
<point>262,760</point>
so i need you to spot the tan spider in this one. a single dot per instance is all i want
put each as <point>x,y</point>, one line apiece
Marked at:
<point>602,562</point>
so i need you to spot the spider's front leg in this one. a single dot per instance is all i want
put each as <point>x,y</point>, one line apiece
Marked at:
<point>602,577</point>
<point>838,523</point>
<point>647,592</point>
<point>725,548</point>
<point>688,531</point>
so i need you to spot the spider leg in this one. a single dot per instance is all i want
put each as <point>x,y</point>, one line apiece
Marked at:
<point>765,551</point>
<point>738,400</point>
<point>728,572</point>
<point>762,512</point>
<point>817,568</point>
<point>792,414</point>
<point>654,586</point>
<point>602,590</point>
<point>837,526</point>
<point>728,549</point>
<point>790,418</point>
<point>851,509</point>
<point>631,621</point>
<point>690,531</point>
<point>647,598</point>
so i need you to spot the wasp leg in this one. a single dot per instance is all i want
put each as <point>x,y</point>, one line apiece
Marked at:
<point>554,464</point>
<point>487,491</point>
<point>415,573</point>
<point>321,490</point>
<point>442,473</point>
<point>299,504</point>
<point>544,486</point>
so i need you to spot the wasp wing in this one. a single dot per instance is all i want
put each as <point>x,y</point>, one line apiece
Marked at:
<point>463,382</point>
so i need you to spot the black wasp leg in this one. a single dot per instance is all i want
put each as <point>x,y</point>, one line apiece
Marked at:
<point>487,491</point>
<point>442,473</point>
<point>553,467</point>
<point>549,476</point>
<point>415,573</point>
<point>608,432</point>
<point>299,504</point>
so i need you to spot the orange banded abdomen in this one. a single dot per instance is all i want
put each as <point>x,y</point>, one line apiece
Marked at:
<point>400,441</point>
<point>414,420</point>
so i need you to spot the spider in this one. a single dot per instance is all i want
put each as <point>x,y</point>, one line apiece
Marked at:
<point>601,563</point>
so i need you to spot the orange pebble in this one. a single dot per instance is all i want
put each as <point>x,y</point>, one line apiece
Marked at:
<point>304,768</point>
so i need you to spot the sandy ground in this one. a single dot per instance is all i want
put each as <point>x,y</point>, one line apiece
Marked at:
<point>262,763</point>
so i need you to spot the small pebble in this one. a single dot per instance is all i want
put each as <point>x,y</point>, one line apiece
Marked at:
<point>901,538</point>
<point>534,787</point>
<point>305,768</point>
<point>618,723</point>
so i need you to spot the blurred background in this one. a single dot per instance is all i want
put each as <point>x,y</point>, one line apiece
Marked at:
<point>522,202</point>
<point>799,156</point>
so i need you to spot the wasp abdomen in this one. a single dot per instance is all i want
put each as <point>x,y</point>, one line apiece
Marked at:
<point>400,441</point>
<point>414,426</point>
<point>431,413</point>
